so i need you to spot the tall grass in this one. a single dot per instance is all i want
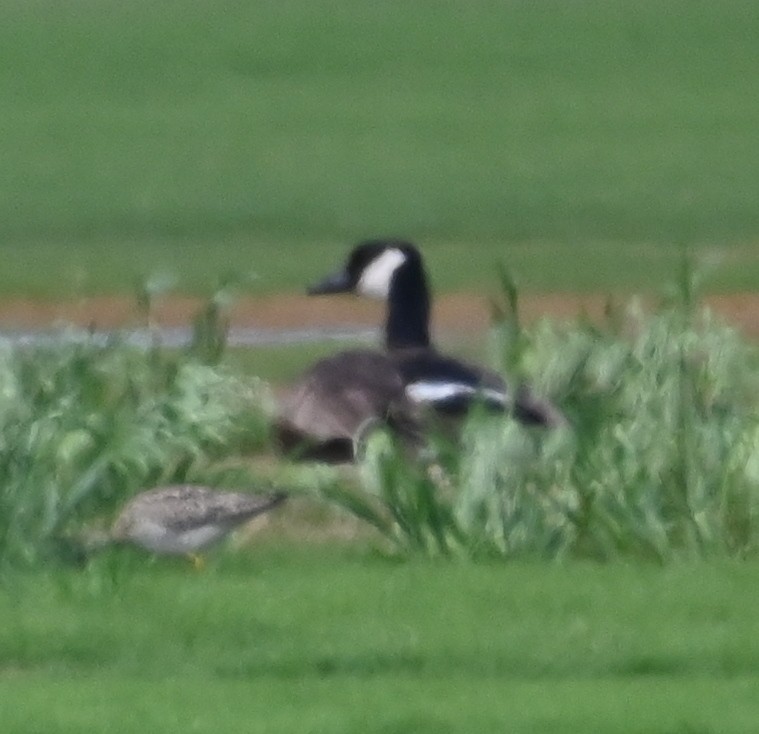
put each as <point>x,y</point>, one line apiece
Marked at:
<point>661,459</point>
<point>83,425</point>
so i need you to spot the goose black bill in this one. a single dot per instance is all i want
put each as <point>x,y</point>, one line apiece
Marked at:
<point>337,282</point>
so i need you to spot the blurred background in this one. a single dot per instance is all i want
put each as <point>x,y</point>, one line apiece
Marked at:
<point>581,142</point>
<point>596,578</point>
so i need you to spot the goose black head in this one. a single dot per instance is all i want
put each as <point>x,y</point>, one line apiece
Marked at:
<point>389,270</point>
<point>370,269</point>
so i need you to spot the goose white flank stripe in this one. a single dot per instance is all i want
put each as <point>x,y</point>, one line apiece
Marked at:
<point>426,391</point>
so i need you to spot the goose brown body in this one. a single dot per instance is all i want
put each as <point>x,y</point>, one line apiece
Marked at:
<point>340,397</point>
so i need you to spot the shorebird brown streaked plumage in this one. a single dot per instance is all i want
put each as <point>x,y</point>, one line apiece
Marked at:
<point>186,519</point>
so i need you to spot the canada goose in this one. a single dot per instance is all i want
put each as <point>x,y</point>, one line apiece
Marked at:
<point>185,519</point>
<point>339,395</point>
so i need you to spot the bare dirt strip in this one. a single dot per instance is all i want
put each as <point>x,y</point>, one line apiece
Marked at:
<point>457,314</point>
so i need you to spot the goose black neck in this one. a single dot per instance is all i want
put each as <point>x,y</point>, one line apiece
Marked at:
<point>408,308</point>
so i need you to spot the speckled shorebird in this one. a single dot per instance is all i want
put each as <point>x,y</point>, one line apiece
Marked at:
<point>186,519</point>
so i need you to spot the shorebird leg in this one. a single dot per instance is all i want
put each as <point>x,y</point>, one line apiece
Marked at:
<point>198,562</point>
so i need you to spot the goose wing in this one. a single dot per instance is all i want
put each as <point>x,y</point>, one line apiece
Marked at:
<point>451,386</point>
<point>447,384</point>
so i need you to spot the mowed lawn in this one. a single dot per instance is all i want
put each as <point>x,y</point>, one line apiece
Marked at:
<point>580,142</point>
<point>315,640</point>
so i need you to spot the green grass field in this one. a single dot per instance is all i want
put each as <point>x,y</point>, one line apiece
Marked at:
<point>580,142</point>
<point>334,641</point>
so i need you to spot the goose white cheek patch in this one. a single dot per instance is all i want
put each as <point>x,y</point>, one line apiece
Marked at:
<point>426,391</point>
<point>375,280</point>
